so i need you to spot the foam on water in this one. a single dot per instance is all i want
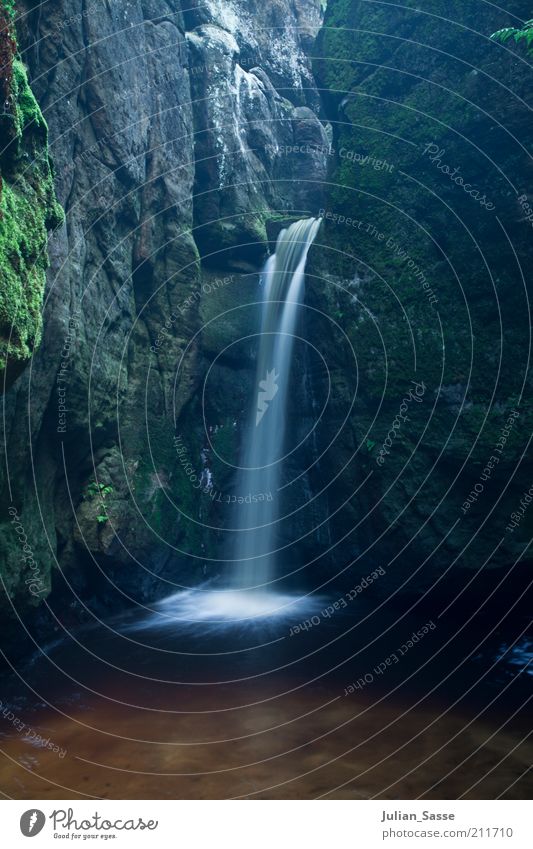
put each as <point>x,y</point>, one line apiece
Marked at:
<point>229,608</point>
<point>250,599</point>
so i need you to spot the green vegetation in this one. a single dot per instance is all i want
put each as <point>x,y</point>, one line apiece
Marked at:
<point>9,6</point>
<point>8,49</point>
<point>393,83</point>
<point>28,206</point>
<point>99,491</point>
<point>518,34</point>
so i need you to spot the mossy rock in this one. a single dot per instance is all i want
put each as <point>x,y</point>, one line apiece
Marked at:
<point>28,211</point>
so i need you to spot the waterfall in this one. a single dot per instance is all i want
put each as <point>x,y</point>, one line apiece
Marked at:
<point>250,597</point>
<point>254,546</point>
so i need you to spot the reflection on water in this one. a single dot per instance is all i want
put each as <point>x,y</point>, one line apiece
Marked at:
<point>181,709</point>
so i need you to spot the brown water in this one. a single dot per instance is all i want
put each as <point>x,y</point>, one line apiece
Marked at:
<point>265,723</point>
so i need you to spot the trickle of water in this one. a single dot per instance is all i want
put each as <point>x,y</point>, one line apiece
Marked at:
<point>253,559</point>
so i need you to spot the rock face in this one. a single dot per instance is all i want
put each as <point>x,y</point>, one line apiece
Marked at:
<point>425,271</point>
<point>249,75</point>
<point>169,131</point>
<point>183,134</point>
<point>28,209</point>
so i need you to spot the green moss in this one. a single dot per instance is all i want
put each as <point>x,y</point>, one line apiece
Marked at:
<point>28,210</point>
<point>27,112</point>
<point>23,258</point>
<point>9,6</point>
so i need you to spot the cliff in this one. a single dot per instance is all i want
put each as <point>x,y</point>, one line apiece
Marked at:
<point>426,270</point>
<point>168,124</point>
<point>183,134</point>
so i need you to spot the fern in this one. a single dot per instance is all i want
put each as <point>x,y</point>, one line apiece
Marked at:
<point>522,34</point>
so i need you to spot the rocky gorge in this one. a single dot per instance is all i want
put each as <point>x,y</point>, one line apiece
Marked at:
<point>181,138</point>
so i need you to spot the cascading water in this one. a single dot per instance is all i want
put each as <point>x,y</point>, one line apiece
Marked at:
<point>254,558</point>
<point>250,593</point>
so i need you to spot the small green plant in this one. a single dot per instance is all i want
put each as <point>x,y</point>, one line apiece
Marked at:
<point>9,6</point>
<point>518,34</point>
<point>97,489</point>
<point>100,491</point>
